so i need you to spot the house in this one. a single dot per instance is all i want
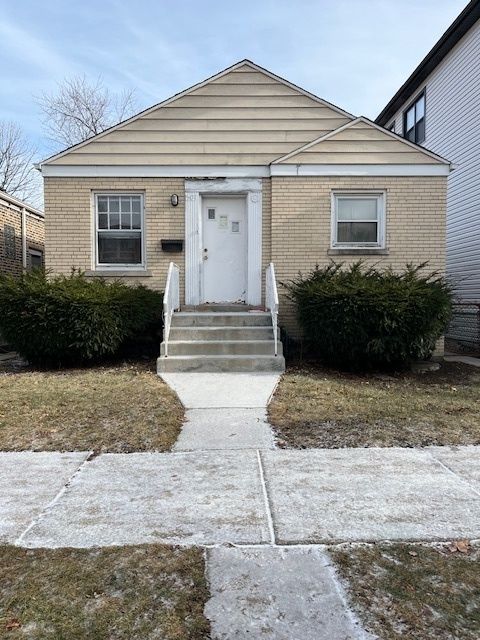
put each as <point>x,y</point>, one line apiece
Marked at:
<point>241,171</point>
<point>438,107</point>
<point>22,232</point>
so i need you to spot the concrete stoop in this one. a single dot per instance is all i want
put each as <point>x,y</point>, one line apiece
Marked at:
<point>221,341</point>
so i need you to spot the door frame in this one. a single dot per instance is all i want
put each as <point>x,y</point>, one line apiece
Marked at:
<point>251,189</point>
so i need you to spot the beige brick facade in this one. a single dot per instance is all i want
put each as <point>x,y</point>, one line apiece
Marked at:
<point>301,224</point>
<point>296,223</point>
<point>11,237</point>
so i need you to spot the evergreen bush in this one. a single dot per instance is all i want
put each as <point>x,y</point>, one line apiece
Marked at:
<point>65,320</point>
<point>361,317</point>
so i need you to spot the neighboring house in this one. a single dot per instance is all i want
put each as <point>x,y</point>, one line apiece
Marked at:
<point>240,171</point>
<point>22,236</point>
<point>438,107</point>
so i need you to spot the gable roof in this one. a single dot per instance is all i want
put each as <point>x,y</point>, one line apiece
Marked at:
<point>291,92</point>
<point>463,23</point>
<point>360,141</point>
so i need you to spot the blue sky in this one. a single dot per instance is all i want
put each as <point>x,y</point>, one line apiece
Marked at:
<point>355,53</point>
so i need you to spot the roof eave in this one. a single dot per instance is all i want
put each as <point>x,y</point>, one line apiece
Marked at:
<point>459,27</point>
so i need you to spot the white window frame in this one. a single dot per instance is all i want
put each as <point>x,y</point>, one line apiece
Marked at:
<point>381,219</point>
<point>116,266</point>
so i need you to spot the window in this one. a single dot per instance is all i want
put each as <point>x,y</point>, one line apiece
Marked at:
<point>358,220</point>
<point>36,259</point>
<point>414,120</point>
<point>119,230</point>
<point>392,127</point>
<point>9,241</point>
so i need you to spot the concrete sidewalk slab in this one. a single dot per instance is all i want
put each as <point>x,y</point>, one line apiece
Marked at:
<point>29,481</point>
<point>225,429</point>
<point>222,390</point>
<point>474,362</point>
<point>197,498</point>
<point>276,594</point>
<point>463,461</point>
<point>367,494</point>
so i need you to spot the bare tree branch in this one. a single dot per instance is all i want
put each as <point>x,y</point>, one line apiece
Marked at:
<point>18,176</point>
<point>80,109</point>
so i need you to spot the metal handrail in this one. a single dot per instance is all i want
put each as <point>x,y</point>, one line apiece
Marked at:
<point>271,300</point>
<point>171,300</point>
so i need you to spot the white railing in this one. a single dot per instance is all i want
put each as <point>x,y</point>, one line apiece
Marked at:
<point>171,301</point>
<point>271,300</point>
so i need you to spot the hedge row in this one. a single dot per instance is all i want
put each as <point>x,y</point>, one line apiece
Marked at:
<point>65,320</point>
<point>361,317</point>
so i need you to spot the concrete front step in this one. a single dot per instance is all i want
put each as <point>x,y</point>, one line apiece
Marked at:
<point>221,333</point>
<point>220,363</point>
<point>221,347</point>
<point>219,319</point>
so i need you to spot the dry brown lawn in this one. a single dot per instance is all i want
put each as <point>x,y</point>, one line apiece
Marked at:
<point>121,593</point>
<point>414,592</point>
<point>322,408</point>
<point>116,408</point>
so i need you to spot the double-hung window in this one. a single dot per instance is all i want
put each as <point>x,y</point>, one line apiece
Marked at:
<point>414,120</point>
<point>119,228</point>
<point>358,220</point>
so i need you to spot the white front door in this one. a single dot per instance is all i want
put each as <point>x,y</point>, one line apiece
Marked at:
<point>224,249</point>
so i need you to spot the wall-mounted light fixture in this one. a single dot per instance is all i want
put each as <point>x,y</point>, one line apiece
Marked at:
<point>174,200</point>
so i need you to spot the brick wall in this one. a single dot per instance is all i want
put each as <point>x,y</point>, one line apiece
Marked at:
<point>69,223</point>
<point>301,224</point>
<point>296,223</point>
<point>11,216</point>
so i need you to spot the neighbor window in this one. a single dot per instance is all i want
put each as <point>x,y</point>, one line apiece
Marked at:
<point>414,120</point>
<point>358,220</point>
<point>36,259</point>
<point>119,229</point>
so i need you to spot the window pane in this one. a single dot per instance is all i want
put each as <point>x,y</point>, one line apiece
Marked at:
<point>118,249</point>
<point>411,135</point>
<point>125,205</point>
<point>357,209</point>
<point>420,108</point>
<point>135,221</point>
<point>136,204</point>
<point>126,221</point>
<point>410,118</point>
<point>102,203</point>
<point>36,260</point>
<point>114,221</point>
<point>103,220</point>
<point>357,232</point>
<point>420,136</point>
<point>113,203</point>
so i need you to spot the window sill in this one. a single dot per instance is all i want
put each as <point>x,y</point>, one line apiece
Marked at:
<point>120,273</point>
<point>353,251</point>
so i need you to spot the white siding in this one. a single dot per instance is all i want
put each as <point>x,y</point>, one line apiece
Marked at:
<point>453,131</point>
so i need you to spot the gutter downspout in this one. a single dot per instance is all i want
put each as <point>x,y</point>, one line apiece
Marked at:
<point>24,239</point>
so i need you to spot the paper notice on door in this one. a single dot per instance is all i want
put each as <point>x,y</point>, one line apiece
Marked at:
<point>223,222</point>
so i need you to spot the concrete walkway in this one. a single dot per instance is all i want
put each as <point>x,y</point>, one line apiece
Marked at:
<point>264,515</point>
<point>255,501</point>
<point>240,497</point>
<point>224,410</point>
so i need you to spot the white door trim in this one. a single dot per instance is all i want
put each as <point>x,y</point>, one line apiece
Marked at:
<point>194,189</point>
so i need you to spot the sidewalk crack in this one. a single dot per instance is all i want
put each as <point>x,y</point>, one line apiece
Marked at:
<point>266,500</point>
<point>455,474</point>
<point>19,540</point>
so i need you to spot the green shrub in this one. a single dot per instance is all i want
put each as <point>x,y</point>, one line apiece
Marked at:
<point>64,320</point>
<point>359,317</point>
